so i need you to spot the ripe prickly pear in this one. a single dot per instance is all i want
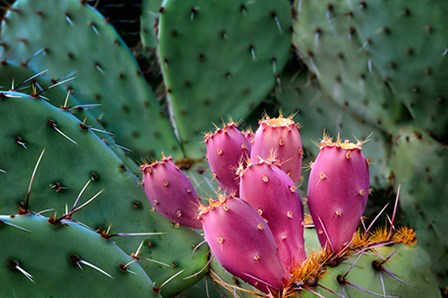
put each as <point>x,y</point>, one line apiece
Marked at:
<point>226,148</point>
<point>281,137</point>
<point>171,193</point>
<point>273,194</point>
<point>243,243</point>
<point>338,188</point>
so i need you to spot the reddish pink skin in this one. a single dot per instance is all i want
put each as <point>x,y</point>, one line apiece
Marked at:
<point>249,135</point>
<point>226,148</point>
<point>285,141</point>
<point>272,193</point>
<point>171,193</point>
<point>244,245</point>
<point>338,188</point>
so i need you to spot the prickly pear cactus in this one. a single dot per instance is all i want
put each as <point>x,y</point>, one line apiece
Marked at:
<point>220,58</point>
<point>77,164</point>
<point>43,258</point>
<point>259,238</point>
<point>21,79</point>
<point>407,42</point>
<point>418,166</point>
<point>72,40</point>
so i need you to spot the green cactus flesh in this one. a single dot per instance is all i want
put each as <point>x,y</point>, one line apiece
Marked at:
<point>71,39</point>
<point>73,157</point>
<point>41,259</point>
<point>325,38</point>
<point>150,9</point>
<point>21,78</point>
<point>220,58</point>
<point>408,42</point>
<point>418,166</point>
<point>317,114</point>
<point>398,270</point>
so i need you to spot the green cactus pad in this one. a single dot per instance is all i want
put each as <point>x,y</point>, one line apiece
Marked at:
<point>410,264</point>
<point>408,42</point>
<point>220,58</point>
<point>17,78</point>
<point>150,9</point>
<point>418,166</point>
<point>40,259</point>
<point>74,156</point>
<point>325,37</point>
<point>71,39</point>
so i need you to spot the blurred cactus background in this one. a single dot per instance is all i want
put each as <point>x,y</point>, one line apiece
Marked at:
<point>92,89</point>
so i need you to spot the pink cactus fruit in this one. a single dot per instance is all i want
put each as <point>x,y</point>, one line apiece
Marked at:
<point>170,192</point>
<point>249,135</point>
<point>338,188</point>
<point>273,194</point>
<point>226,148</point>
<point>242,242</point>
<point>279,136</point>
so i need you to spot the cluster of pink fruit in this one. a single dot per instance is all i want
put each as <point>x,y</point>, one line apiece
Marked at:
<point>255,226</point>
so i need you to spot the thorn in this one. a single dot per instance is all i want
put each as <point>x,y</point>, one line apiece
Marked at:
<point>171,278</point>
<point>326,234</point>
<point>2,222</point>
<point>259,280</point>
<point>375,219</point>
<point>55,85</point>
<point>54,126</point>
<point>83,205</point>
<point>64,107</point>
<point>99,68</point>
<point>392,226</point>
<point>27,80</point>
<point>194,10</point>
<point>68,19</point>
<point>94,28</point>
<point>15,266</point>
<point>206,266</point>
<point>274,65</point>
<point>85,107</point>
<point>3,171</point>
<point>135,234</point>
<point>252,52</point>
<point>80,194</point>
<point>197,247</point>
<point>33,175</point>
<point>80,262</point>
<point>277,22</point>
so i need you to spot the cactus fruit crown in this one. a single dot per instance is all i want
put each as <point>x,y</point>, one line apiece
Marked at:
<point>327,141</point>
<point>280,121</point>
